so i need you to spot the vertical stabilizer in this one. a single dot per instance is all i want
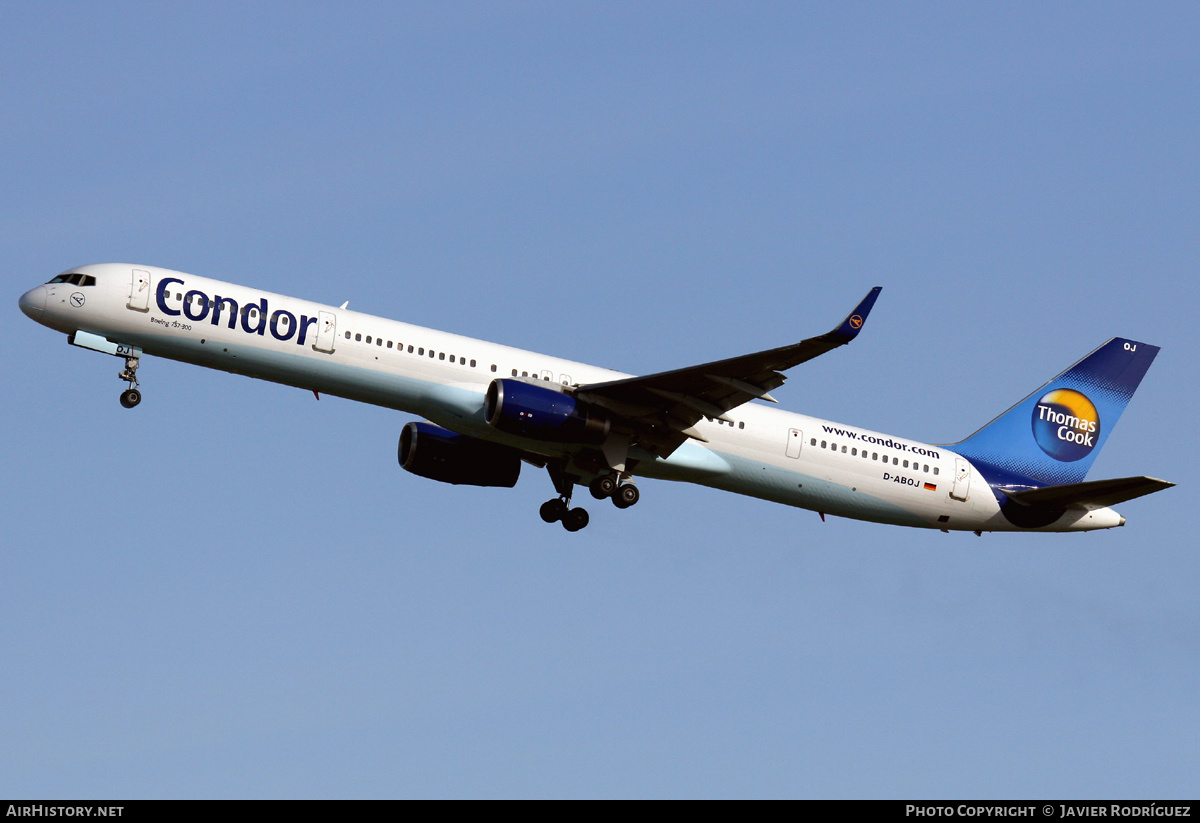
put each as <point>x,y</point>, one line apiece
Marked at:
<point>1054,434</point>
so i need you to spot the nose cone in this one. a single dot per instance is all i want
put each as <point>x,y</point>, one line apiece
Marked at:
<point>33,302</point>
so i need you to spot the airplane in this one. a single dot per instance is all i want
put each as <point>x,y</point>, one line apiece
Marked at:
<point>488,409</point>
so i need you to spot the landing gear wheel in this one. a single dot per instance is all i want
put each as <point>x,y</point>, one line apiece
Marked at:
<point>553,510</point>
<point>603,486</point>
<point>131,396</point>
<point>627,494</point>
<point>575,519</point>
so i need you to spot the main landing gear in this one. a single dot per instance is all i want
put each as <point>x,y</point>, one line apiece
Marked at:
<point>623,495</point>
<point>131,396</point>
<point>559,508</point>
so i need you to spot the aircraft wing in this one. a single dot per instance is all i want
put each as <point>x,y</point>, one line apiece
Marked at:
<point>1094,494</point>
<point>663,408</point>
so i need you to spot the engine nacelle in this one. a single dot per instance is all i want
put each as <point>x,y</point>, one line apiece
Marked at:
<point>440,454</point>
<point>541,413</point>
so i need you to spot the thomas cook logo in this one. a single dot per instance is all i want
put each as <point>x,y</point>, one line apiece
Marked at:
<point>1066,425</point>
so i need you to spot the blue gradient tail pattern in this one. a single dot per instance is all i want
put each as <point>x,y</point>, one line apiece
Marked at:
<point>1054,434</point>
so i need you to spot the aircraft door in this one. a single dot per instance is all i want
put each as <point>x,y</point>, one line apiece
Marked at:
<point>326,332</point>
<point>794,442</point>
<point>962,479</point>
<point>139,291</point>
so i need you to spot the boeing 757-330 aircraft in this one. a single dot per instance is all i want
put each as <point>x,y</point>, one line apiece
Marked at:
<point>490,408</point>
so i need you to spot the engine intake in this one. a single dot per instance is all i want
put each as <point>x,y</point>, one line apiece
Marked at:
<point>541,413</point>
<point>440,454</point>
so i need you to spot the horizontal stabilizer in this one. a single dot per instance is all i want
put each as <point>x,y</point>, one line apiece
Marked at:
<point>1095,494</point>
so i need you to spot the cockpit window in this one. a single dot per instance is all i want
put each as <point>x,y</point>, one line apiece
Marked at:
<point>74,278</point>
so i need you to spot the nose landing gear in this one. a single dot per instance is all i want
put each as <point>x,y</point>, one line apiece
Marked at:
<point>131,396</point>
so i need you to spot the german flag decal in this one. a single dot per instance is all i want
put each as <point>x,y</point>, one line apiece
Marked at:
<point>930,487</point>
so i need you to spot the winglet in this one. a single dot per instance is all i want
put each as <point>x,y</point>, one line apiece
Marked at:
<point>854,321</point>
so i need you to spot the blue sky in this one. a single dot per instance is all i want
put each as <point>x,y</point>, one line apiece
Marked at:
<point>234,591</point>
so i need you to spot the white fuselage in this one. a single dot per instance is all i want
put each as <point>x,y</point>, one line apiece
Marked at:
<point>766,452</point>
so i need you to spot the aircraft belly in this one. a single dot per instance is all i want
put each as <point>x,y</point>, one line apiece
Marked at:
<point>793,488</point>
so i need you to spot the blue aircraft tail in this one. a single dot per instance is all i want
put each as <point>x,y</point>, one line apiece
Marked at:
<point>1054,434</point>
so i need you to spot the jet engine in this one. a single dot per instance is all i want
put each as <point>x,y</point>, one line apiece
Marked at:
<point>543,413</point>
<point>440,454</point>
